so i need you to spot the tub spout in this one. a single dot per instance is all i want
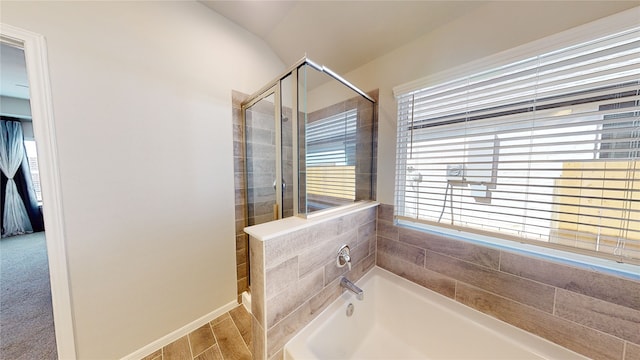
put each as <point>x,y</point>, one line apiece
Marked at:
<point>345,283</point>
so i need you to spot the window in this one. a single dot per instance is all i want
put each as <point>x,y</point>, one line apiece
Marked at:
<point>32,157</point>
<point>544,150</point>
<point>331,153</point>
<point>623,136</point>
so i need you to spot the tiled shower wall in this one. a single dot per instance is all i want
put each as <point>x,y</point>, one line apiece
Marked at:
<point>294,276</point>
<point>260,157</point>
<point>594,314</point>
<point>260,151</point>
<point>256,206</point>
<point>242,239</point>
<point>262,211</point>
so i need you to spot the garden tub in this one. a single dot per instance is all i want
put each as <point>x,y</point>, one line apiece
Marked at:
<point>401,320</point>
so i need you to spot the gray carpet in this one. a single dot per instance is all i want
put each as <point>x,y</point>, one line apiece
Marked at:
<point>26,317</point>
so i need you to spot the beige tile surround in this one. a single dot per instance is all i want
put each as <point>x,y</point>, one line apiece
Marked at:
<point>294,276</point>
<point>594,314</point>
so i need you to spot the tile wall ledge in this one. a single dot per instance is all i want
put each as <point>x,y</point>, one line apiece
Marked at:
<point>271,229</point>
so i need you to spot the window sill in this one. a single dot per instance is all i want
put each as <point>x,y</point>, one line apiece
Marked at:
<point>629,271</point>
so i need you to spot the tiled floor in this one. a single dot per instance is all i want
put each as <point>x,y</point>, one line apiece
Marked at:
<point>226,337</point>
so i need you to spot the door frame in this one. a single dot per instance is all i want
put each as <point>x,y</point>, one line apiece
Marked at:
<point>35,51</point>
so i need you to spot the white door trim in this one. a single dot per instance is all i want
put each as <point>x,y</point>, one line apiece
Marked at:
<point>44,131</point>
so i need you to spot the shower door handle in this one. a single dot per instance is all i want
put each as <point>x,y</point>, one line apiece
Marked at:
<point>284,185</point>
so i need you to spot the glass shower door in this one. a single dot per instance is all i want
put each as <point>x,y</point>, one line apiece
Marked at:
<point>261,134</point>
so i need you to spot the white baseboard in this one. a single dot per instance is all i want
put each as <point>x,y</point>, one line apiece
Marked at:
<point>177,334</point>
<point>246,301</point>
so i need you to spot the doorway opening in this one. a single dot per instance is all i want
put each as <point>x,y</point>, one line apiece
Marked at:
<point>26,306</point>
<point>41,112</point>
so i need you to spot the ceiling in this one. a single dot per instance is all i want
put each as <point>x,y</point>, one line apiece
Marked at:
<point>343,35</point>
<point>13,72</point>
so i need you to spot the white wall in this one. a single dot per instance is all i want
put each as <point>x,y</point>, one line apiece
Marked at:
<point>142,105</point>
<point>489,29</point>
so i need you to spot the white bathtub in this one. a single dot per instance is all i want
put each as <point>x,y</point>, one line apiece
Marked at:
<point>400,320</point>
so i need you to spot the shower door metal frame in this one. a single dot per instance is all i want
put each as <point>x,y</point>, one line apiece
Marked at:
<point>294,139</point>
<point>306,61</point>
<point>274,87</point>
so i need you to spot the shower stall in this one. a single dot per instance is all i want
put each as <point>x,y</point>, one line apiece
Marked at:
<point>310,144</point>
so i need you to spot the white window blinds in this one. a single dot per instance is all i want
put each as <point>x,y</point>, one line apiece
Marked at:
<point>331,156</point>
<point>543,150</point>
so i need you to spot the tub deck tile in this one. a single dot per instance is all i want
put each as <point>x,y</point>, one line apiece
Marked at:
<point>367,232</point>
<point>324,252</point>
<point>283,331</point>
<point>573,336</point>
<point>605,287</point>
<point>617,320</point>
<point>325,297</point>
<point>258,335</point>
<point>361,268</point>
<point>388,230</point>
<point>385,212</point>
<point>408,253</point>
<point>458,249</point>
<point>513,287</point>
<point>417,274</point>
<point>281,276</point>
<point>279,306</point>
<point>632,351</point>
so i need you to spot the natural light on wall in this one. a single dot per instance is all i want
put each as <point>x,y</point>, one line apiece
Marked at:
<point>543,150</point>
<point>32,157</point>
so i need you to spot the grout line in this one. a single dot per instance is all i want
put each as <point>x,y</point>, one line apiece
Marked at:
<point>375,249</point>
<point>216,338</point>
<point>455,290</point>
<point>189,342</point>
<point>203,351</point>
<point>555,295</point>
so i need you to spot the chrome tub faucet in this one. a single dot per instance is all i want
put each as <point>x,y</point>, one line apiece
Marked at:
<point>345,283</point>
